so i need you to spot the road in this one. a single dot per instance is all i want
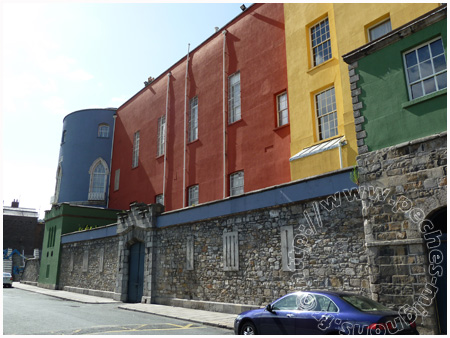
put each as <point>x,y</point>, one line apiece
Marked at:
<point>27,313</point>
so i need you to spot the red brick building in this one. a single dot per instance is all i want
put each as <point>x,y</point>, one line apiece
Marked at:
<point>215,124</point>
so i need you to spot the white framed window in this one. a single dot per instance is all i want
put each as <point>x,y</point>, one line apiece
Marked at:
<point>159,199</point>
<point>230,251</point>
<point>234,97</point>
<point>136,140</point>
<point>161,136</point>
<point>426,69</point>
<point>97,186</point>
<point>193,119</point>
<point>321,42</point>
<point>237,183</point>
<point>193,195</point>
<point>326,113</point>
<point>380,29</point>
<point>103,130</point>
<point>282,109</point>
<point>116,179</point>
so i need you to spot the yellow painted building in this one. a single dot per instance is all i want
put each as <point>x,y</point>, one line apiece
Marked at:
<point>323,136</point>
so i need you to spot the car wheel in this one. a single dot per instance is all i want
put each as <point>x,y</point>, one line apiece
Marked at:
<point>248,329</point>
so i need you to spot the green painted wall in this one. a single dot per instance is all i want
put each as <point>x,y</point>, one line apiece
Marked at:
<point>390,118</point>
<point>60,220</point>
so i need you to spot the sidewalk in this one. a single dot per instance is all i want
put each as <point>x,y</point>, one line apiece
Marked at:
<point>224,320</point>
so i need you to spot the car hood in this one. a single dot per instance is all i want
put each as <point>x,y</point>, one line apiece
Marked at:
<point>251,313</point>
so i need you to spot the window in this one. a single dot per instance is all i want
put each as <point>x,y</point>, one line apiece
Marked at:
<point>193,119</point>
<point>426,69</point>
<point>161,135</point>
<point>379,30</point>
<point>326,114</point>
<point>237,183</point>
<point>286,303</point>
<point>63,138</point>
<point>159,199</point>
<point>321,43</point>
<point>193,195</point>
<point>135,161</point>
<point>234,98</point>
<point>103,130</point>
<point>282,109</point>
<point>99,174</point>
<point>230,251</point>
<point>116,179</point>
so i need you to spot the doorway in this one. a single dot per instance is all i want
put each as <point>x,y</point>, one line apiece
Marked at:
<point>136,273</point>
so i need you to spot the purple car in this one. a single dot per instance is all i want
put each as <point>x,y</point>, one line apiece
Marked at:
<point>323,312</point>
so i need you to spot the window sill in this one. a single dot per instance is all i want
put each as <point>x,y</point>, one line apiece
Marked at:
<point>235,122</point>
<point>282,127</point>
<point>192,142</point>
<point>159,156</point>
<point>313,69</point>
<point>424,98</point>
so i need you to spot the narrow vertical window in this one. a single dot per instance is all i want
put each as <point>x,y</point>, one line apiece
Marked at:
<point>193,195</point>
<point>326,114</point>
<point>234,97</point>
<point>230,251</point>
<point>282,109</point>
<point>379,30</point>
<point>103,130</point>
<point>161,136</point>
<point>135,150</point>
<point>320,42</point>
<point>237,183</point>
<point>63,138</point>
<point>116,180</point>
<point>193,119</point>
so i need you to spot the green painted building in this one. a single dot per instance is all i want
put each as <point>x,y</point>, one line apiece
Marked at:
<point>401,81</point>
<point>62,219</point>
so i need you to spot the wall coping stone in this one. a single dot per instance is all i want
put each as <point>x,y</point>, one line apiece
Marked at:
<point>395,242</point>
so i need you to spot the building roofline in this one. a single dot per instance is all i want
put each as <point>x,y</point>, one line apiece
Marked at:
<point>82,110</point>
<point>218,32</point>
<point>397,34</point>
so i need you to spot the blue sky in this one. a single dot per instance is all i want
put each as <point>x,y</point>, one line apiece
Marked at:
<point>57,58</point>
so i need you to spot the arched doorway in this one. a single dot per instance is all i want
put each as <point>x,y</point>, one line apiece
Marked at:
<point>136,272</point>
<point>439,220</point>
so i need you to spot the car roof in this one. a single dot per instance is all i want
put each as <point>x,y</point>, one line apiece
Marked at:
<point>330,292</point>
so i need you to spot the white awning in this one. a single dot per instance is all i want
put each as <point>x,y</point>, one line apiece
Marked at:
<point>318,148</point>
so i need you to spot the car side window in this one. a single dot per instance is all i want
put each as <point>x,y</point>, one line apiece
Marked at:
<point>286,303</point>
<point>325,304</point>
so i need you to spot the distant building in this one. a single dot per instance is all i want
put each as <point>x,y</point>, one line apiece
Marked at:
<point>83,169</point>
<point>21,229</point>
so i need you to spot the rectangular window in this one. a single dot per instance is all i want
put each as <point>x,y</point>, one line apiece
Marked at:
<point>237,183</point>
<point>234,97</point>
<point>426,69</point>
<point>320,42</point>
<point>326,114</point>
<point>287,248</point>
<point>282,109</point>
<point>116,180</point>
<point>230,251</point>
<point>193,195</point>
<point>193,119</point>
<point>190,253</point>
<point>161,136</point>
<point>159,199</point>
<point>135,150</point>
<point>379,30</point>
<point>103,130</point>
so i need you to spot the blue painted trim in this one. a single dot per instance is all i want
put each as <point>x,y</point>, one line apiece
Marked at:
<point>102,232</point>
<point>323,185</point>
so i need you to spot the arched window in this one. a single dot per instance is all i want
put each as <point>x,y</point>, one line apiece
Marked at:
<point>103,130</point>
<point>99,174</point>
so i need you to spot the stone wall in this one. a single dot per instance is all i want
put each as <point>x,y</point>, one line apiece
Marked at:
<point>330,257</point>
<point>400,187</point>
<point>90,264</point>
<point>31,271</point>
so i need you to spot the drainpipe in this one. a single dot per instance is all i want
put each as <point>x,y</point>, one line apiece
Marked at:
<point>224,32</point>
<point>341,143</point>
<point>165,139</point>
<point>185,127</point>
<point>110,162</point>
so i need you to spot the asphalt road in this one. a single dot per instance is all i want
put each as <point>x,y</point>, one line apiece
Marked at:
<point>27,312</point>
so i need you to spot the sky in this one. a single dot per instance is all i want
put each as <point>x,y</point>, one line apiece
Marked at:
<point>57,58</point>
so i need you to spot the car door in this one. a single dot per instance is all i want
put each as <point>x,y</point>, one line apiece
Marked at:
<point>280,319</point>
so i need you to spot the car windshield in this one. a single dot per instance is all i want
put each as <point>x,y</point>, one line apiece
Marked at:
<point>364,304</point>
